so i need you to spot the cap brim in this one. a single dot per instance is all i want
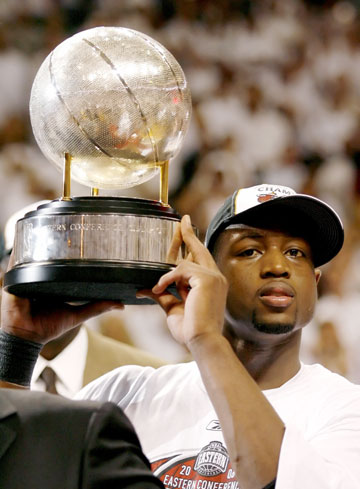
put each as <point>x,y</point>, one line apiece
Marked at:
<point>299,215</point>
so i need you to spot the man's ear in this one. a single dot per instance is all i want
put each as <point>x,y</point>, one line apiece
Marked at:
<point>317,275</point>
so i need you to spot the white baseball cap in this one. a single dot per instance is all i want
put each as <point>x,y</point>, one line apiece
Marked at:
<point>276,206</point>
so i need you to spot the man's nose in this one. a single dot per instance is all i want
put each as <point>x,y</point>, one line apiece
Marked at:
<point>274,264</point>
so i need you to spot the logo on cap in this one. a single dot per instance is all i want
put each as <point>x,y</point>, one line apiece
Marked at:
<point>265,197</point>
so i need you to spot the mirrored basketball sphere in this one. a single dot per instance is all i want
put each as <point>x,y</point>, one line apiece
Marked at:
<point>116,100</point>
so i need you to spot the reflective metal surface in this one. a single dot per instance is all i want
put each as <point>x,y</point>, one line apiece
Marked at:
<point>110,107</point>
<point>116,100</point>
<point>105,237</point>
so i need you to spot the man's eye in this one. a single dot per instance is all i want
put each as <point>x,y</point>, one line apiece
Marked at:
<point>249,252</point>
<point>295,253</point>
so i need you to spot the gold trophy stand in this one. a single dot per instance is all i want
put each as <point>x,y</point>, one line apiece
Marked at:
<point>92,248</point>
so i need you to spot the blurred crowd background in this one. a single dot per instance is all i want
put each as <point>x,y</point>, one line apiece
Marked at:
<point>276,99</point>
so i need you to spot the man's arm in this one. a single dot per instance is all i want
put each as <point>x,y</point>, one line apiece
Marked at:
<point>252,429</point>
<point>43,320</point>
<point>26,325</point>
<point>17,360</point>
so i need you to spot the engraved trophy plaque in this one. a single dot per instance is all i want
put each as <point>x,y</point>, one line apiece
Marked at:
<point>110,107</point>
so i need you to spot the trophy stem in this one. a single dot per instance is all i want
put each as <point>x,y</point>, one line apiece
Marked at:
<point>164,182</point>
<point>94,191</point>
<point>67,177</point>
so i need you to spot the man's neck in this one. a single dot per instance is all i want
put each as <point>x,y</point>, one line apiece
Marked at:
<point>269,364</point>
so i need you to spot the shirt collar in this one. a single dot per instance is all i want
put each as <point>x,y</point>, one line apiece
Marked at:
<point>69,366</point>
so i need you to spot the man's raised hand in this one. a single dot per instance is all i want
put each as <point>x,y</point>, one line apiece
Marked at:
<point>44,320</point>
<point>201,287</point>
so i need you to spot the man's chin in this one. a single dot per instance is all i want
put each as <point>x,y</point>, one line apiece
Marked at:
<point>274,328</point>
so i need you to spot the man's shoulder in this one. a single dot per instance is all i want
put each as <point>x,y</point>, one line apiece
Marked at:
<point>132,372</point>
<point>130,379</point>
<point>318,373</point>
<point>319,382</point>
<point>59,414</point>
<point>27,403</point>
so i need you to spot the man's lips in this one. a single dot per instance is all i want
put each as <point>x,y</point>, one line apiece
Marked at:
<point>278,295</point>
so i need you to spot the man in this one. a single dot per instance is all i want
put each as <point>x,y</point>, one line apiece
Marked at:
<point>71,361</point>
<point>50,442</point>
<point>246,413</point>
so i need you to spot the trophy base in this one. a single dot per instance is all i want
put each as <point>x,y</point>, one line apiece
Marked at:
<point>93,248</point>
<point>71,281</point>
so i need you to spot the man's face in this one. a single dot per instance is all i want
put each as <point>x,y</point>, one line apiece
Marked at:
<point>272,281</point>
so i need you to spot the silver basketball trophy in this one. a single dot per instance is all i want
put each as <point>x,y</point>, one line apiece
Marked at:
<point>109,107</point>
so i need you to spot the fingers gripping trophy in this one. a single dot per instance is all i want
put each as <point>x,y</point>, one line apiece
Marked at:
<point>109,107</point>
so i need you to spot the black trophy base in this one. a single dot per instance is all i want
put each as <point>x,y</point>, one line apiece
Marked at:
<point>71,281</point>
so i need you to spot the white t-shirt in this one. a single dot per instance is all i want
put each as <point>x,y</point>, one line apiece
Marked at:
<point>180,433</point>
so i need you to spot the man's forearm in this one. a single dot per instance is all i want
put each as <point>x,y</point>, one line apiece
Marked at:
<point>17,360</point>
<point>252,430</point>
